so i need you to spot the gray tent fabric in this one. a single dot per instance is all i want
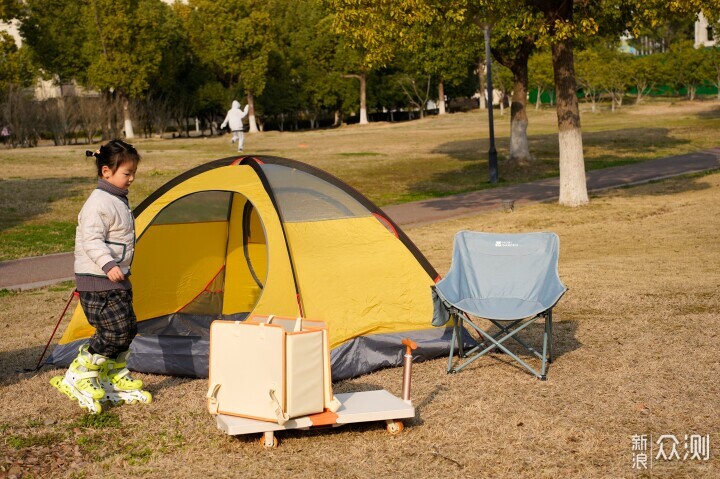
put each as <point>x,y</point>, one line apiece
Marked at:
<point>501,276</point>
<point>188,355</point>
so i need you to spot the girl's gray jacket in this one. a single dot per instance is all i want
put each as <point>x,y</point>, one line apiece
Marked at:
<point>105,235</point>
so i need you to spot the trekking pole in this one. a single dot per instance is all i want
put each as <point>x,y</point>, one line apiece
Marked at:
<point>72,295</point>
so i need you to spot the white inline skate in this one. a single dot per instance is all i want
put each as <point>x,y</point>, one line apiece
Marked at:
<point>81,381</point>
<point>119,386</point>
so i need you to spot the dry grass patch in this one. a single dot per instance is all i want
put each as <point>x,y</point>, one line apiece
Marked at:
<point>636,344</point>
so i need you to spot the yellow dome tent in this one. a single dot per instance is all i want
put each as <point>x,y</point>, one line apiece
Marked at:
<point>265,235</point>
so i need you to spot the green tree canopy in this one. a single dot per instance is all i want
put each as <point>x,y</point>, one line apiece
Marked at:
<point>234,39</point>
<point>55,36</point>
<point>10,9</point>
<point>16,67</point>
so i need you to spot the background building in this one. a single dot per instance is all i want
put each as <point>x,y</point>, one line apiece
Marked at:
<point>705,34</point>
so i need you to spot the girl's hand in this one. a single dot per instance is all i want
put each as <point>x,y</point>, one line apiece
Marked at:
<point>115,275</point>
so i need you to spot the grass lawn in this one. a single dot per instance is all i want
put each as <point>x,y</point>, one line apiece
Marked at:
<point>636,353</point>
<point>42,189</point>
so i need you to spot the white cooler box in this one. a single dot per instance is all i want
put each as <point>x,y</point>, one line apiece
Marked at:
<point>270,368</point>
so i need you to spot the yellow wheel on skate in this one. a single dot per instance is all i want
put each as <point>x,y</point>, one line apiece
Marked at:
<point>95,408</point>
<point>92,405</point>
<point>57,383</point>
<point>145,398</point>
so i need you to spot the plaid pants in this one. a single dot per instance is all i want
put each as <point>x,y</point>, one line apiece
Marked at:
<point>111,313</point>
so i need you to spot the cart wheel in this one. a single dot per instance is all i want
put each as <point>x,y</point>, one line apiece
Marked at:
<point>394,427</point>
<point>265,442</point>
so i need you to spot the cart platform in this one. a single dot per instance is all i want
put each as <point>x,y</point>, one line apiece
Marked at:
<point>361,406</point>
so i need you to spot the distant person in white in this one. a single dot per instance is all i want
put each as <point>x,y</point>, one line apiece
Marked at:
<point>234,117</point>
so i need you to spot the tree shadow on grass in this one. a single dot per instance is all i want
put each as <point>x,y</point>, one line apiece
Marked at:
<point>627,140</point>
<point>668,186</point>
<point>603,149</point>
<point>712,114</point>
<point>19,364</point>
<point>23,199</point>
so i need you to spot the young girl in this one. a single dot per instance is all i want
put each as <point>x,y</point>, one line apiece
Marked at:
<point>104,246</point>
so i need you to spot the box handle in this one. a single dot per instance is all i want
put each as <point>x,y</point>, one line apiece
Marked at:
<point>282,417</point>
<point>298,325</point>
<point>211,395</point>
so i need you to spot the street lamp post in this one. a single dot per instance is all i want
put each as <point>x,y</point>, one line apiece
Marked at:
<point>492,153</point>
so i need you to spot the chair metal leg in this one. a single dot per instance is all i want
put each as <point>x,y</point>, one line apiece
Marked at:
<point>506,330</point>
<point>550,336</point>
<point>496,342</point>
<point>461,347</point>
<point>499,344</point>
<point>452,343</point>
<point>546,334</point>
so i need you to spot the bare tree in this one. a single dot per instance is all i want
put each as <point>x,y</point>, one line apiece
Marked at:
<point>161,109</point>
<point>59,118</point>
<point>21,115</point>
<point>414,93</point>
<point>91,116</point>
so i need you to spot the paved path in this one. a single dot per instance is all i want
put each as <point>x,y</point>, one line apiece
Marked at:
<point>40,271</point>
<point>466,204</point>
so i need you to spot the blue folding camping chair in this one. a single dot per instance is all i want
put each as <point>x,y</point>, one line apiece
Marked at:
<point>509,279</point>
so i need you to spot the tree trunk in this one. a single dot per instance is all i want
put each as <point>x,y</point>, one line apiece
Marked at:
<point>251,113</point>
<point>537,99</point>
<point>481,78</point>
<point>573,185</point>
<point>363,99</point>
<point>129,133</point>
<point>107,125</point>
<point>441,98</point>
<point>519,146</point>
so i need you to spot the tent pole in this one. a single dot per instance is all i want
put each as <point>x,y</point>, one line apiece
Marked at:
<point>72,295</point>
